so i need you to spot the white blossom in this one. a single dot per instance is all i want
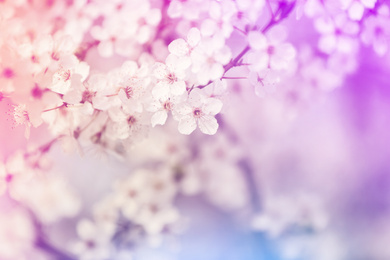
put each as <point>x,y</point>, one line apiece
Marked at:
<point>198,111</point>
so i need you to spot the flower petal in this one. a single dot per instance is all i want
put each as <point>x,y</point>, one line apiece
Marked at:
<point>159,118</point>
<point>257,40</point>
<point>178,88</point>
<point>208,125</point>
<point>193,37</point>
<point>187,125</point>
<point>178,47</point>
<point>161,91</point>
<point>212,106</point>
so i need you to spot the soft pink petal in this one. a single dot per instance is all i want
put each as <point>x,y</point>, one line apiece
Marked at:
<point>159,70</point>
<point>208,125</point>
<point>178,88</point>
<point>161,91</point>
<point>257,40</point>
<point>106,49</point>
<point>159,118</point>
<point>187,125</point>
<point>212,106</point>
<point>193,37</point>
<point>178,47</point>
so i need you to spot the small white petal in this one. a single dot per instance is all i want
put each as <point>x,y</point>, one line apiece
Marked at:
<point>154,17</point>
<point>257,40</point>
<point>187,125</point>
<point>73,97</point>
<point>208,125</point>
<point>178,47</point>
<point>216,71</point>
<point>159,118</point>
<point>175,9</point>
<point>178,88</point>
<point>212,106</point>
<point>183,109</point>
<point>129,68</point>
<point>356,11</point>
<point>175,63</point>
<point>193,37</point>
<point>161,91</point>
<point>159,70</point>
<point>83,70</point>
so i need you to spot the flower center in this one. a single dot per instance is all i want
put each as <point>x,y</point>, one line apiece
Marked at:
<point>87,96</point>
<point>167,106</point>
<point>36,92</point>
<point>96,138</point>
<point>90,244</point>
<point>197,112</point>
<point>64,75</point>
<point>171,78</point>
<point>8,73</point>
<point>129,92</point>
<point>271,50</point>
<point>378,31</point>
<point>131,120</point>
<point>9,178</point>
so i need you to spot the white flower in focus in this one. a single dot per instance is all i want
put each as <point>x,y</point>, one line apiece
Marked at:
<point>94,93</point>
<point>170,77</point>
<point>161,108</point>
<point>69,70</point>
<point>198,111</point>
<point>131,94</point>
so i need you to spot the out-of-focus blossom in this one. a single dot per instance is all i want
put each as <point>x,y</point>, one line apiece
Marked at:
<point>356,8</point>
<point>269,51</point>
<point>337,34</point>
<point>94,243</point>
<point>17,234</point>
<point>376,31</point>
